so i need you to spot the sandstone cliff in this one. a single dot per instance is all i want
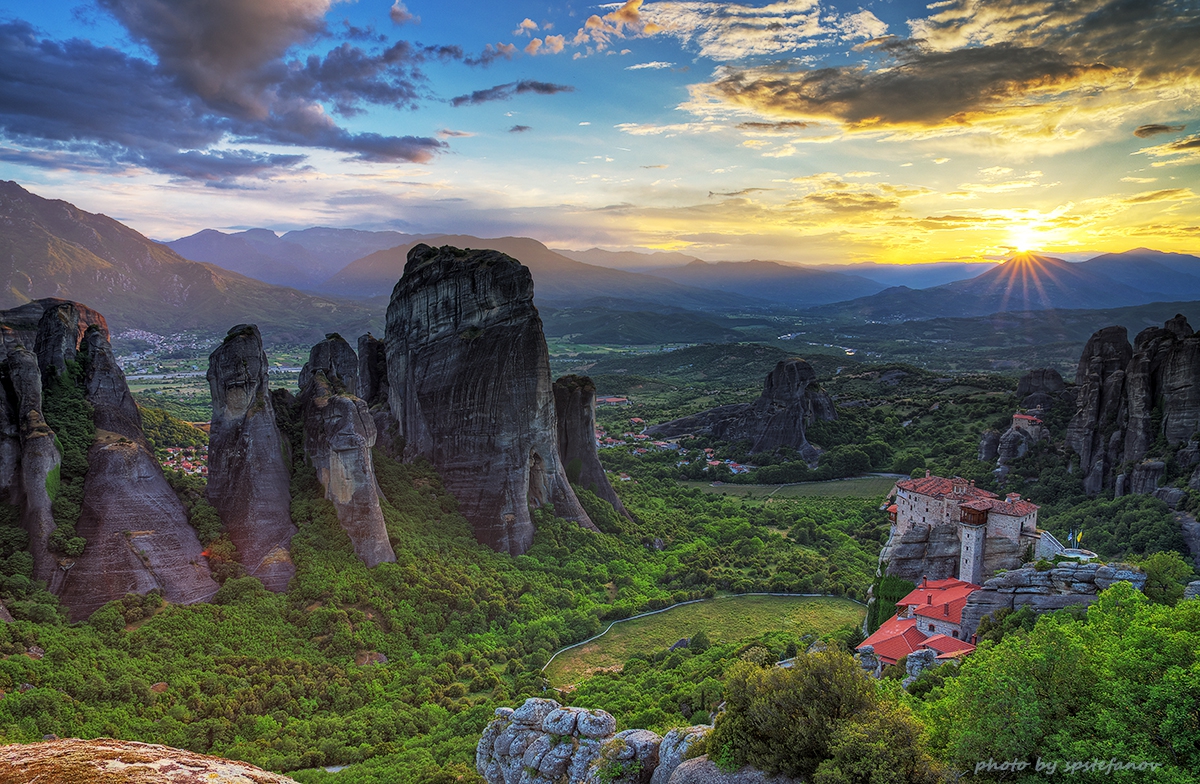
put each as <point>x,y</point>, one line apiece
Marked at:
<point>138,536</point>
<point>338,436</point>
<point>1068,583</point>
<point>933,551</point>
<point>790,401</point>
<point>469,389</point>
<point>575,408</point>
<point>108,761</point>
<point>248,478</point>
<point>1096,430</point>
<point>372,370</point>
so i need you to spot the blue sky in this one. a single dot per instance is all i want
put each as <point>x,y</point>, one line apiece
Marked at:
<point>800,130</point>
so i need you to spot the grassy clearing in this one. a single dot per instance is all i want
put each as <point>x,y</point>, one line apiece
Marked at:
<point>858,487</point>
<point>730,619</point>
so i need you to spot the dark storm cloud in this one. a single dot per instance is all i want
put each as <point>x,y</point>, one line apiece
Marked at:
<point>221,76</point>
<point>1146,131</point>
<point>503,92</point>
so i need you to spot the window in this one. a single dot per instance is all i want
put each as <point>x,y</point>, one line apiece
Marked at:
<point>931,627</point>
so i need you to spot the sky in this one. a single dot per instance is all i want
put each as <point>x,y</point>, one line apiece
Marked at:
<point>800,130</point>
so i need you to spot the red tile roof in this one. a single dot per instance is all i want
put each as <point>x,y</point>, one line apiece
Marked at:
<point>1027,418</point>
<point>937,485</point>
<point>947,647</point>
<point>940,599</point>
<point>1016,508</point>
<point>895,639</point>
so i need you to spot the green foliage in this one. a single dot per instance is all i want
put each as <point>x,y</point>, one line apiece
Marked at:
<point>1119,528</point>
<point>821,717</point>
<point>164,430</point>
<point>1005,621</point>
<point>24,598</point>
<point>69,415</point>
<point>1166,575</point>
<point>1122,680</point>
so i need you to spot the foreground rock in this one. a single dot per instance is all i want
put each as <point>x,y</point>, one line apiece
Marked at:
<point>248,479</point>
<point>575,408</point>
<point>791,400</point>
<point>1066,584</point>
<point>108,761</point>
<point>138,536</point>
<point>702,770</point>
<point>469,389</point>
<point>338,436</point>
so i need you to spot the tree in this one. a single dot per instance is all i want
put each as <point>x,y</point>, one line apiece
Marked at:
<point>1166,574</point>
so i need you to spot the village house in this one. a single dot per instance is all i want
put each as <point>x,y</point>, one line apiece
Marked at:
<point>978,515</point>
<point>929,617</point>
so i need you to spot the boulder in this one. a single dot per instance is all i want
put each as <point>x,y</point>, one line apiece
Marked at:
<point>1146,477</point>
<point>575,409</point>
<point>1013,444</point>
<point>108,761</point>
<point>702,770</point>
<point>1171,496</point>
<point>1192,590</point>
<point>248,479</point>
<point>918,662</point>
<point>469,389</point>
<point>674,748</point>
<point>791,399</point>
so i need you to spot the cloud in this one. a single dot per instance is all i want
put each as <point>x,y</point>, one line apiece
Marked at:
<point>1017,70</point>
<point>221,77</point>
<point>742,192</point>
<point>1146,131</point>
<point>1169,194</point>
<point>526,27</point>
<point>784,127</point>
<point>1185,150</point>
<point>520,129</point>
<point>399,14</point>
<point>533,46</point>
<point>446,133</point>
<point>554,43</point>
<point>656,64</point>
<point>656,166</point>
<point>668,130</point>
<point>502,92</point>
<point>1139,180</point>
<point>491,53</point>
<point>598,32</point>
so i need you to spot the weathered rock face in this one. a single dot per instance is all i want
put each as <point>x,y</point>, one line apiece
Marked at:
<point>702,770</point>
<point>1013,444</point>
<point>923,551</point>
<point>338,435</point>
<point>575,407</point>
<point>1192,590</point>
<point>372,370</point>
<point>1064,585</point>
<point>1145,478</point>
<point>248,478</point>
<point>790,401</point>
<point>108,761</point>
<point>1124,393</point>
<point>1100,405</point>
<point>989,446</point>
<point>918,662</point>
<point>469,388</point>
<point>337,359</point>
<point>1041,388</point>
<point>673,750</point>
<point>542,742</point>
<point>138,536</point>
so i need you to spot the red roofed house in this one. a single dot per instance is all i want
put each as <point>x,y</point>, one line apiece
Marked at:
<point>929,617</point>
<point>979,515</point>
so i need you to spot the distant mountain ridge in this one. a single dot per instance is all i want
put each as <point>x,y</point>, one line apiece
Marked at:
<point>302,259</point>
<point>792,285</point>
<point>1031,282</point>
<point>557,279</point>
<point>50,248</point>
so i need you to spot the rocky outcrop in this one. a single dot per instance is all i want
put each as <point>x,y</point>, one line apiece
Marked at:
<point>1064,585</point>
<point>542,742</point>
<point>1129,397</point>
<point>338,436</point>
<point>248,478</point>
<point>1146,477</point>
<point>60,331</point>
<point>923,551</point>
<point>108,761</point>
<point>674,749</point>
<point>469,389</point>
<point>337,359</point>
<point>989,446</point>
<point>918,662</point>
<point>138,536</point>
<point>702,770</point>
<point>1014,444</point>
<point>1041,389</point>
<point>575,408</point>
<point>790,401</point>
<point>1192,590</point>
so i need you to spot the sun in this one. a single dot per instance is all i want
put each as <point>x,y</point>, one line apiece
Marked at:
<point>1024,239</point>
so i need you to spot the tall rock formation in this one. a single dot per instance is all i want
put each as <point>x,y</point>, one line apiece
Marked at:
<point>248,478</point>
<point>791,400</point>
<point>1129,397</point>
<point>372,370</point>
<point>138,536</point>
<point>338,435</point>
<point>575,408</point>
<point>469,388</point>
<point>1096,430</point>
<point>1042,388</point>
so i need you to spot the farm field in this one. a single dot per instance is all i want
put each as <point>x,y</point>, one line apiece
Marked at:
<point>858,487</point>
<point>724,619</point>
